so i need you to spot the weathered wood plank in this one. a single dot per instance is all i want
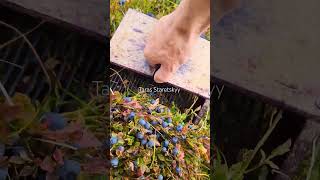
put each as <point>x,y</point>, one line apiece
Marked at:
<point>127,46</point>
<point>271,48</point>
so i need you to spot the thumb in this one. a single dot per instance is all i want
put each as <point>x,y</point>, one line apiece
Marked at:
<point>164,73</point>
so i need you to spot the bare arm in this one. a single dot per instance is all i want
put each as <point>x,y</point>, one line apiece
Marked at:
<point>173,37</point>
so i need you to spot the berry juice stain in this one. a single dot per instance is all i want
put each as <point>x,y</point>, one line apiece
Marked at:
<point>185,68</point>
<point>137,30</point>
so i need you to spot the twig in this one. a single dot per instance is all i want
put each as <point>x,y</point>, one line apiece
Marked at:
<point>313,158</point>
<point>20,36</point>
<point>56,143</point>
<point>120,78</point>
<point>111,91</point>
<point>33,50</point>
<point>6,95</point>
<point>13,64</point>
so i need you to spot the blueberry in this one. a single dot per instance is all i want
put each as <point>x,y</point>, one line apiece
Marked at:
<point>179,128</point>
<point>139,135</point>
<point>113,109</point>
<point>203,36</point>
<point>131,116</point>
<point>159,110</point>
<point>149,111</point>
<point>164,149</point>
<point>150,144</point>
<point>164,124</point>
<point>2,149</point>
<point>127,99</point>
<point>178,170</point>
<point>154,122</point>
<point>174,140</point>
<point>121,148</point>
<point>152,101</point>
<point>143,141</point>
<point>190,126</point>
<point>166,143</point>
<point>184,137</point>
<point>54,121</point>
<point>113,140</point>
<point>147,126</point>
<point>158,135</point>
<point>175,151</point>
<point>70,168</point>
<point>160,177</point>
<point>142,122</point>
<point>151,15</point>
<point>3,173</point>
<point>148,131</point>
<point>115,162</point>
<point>169,120</point>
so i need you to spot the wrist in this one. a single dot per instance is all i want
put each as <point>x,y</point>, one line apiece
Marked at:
<point>190,21</point>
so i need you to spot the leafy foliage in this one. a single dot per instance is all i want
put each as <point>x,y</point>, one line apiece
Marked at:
<point>238,171</point>
<point>35,142</point>
<point>158,150</point>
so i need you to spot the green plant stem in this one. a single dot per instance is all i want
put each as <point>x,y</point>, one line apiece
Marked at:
<point>254,168</point>
<point>313,158</point>
<point>56,143</point>
<point>261,142</point>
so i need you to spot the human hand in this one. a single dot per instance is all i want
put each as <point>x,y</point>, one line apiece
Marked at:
<point>171,41</point>
<point>170,46</point>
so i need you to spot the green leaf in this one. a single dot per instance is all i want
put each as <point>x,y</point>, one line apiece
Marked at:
<point>245,154</point>
<point>272,164</point>
<point>281,150</point>
<point>220,172</point>
<point>235,171</point>
<point>197,109</point>
<point>16,160</point>
<point>130,140</point>
<point>161,157</point>
<point>263,156</point>
<point>117,126</point>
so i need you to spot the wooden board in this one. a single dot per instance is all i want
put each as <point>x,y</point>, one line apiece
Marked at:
<point>271,48</point>
<point>126,48</point>
<point>91,15</point>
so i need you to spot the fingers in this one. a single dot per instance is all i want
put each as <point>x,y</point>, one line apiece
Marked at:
<point>148,54</point>
<point>164,73</point>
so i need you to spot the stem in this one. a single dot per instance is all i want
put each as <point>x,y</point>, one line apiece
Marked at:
<point>13,64</point>
<point>20,36</point>
<point>262,141</point>
<point>313,158</point>
<point>56,143</point>
<point>6,95</point>
<point>254,168</point>
<point>33,50</point>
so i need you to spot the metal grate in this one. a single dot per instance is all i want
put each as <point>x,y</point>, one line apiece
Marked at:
<point>183,99</point>
<point>79,59</point>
